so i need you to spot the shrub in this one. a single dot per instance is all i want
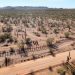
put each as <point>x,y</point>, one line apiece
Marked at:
<point>66,34</point>
<point>6,36</point>
<point>7,29</point>
<point>61,71</point>
<point>21,45</point>
<point>12,51</point>
<point>37,34</point>
<point>44,31</point>
<point>56,31</point>
<point>50,42</point>
<point>29,41</point>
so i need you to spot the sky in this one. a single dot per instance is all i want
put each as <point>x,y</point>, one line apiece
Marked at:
<point>45,3</point>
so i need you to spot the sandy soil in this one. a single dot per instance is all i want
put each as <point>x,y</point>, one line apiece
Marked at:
<point>26,67</point>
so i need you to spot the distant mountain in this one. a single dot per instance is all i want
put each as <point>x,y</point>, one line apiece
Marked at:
<point>23,8</point>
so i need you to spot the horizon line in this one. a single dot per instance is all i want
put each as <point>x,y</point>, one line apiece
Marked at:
<point>41,6</point>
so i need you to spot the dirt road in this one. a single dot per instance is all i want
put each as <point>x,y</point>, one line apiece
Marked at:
<point>35,65</point>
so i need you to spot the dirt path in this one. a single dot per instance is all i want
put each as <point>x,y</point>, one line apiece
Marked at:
<point>38,64</point>
<point>65,44</point>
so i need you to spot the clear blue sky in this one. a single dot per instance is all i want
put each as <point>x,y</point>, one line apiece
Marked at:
<point>48,3</point>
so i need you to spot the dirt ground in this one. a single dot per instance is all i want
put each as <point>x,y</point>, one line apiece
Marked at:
<point>35,65</point>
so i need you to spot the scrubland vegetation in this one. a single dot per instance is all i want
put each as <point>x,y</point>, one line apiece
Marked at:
<point>31,34</point>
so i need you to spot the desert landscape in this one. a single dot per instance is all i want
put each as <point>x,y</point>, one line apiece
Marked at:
<point>37,41</point>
